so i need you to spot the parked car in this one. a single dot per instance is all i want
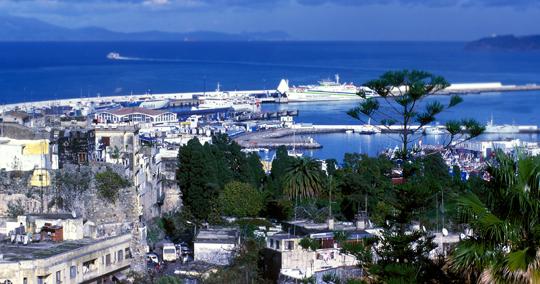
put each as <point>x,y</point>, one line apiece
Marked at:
<point>169,252</point>
<point>152,257</point>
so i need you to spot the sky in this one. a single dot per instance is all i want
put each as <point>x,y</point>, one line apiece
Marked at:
<point>301,19</point>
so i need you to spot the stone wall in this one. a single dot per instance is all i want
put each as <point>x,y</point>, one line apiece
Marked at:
<point>109,218</point>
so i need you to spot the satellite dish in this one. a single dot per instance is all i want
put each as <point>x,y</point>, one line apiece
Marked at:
<point>444,232</point>
<point>73,214</point>
<point>462,236</point>
<point>424,228</point>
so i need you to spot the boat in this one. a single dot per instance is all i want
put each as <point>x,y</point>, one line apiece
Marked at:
<point>502,128</point>
<point>435,130</point>
<point>114,56</point>
<point>155,104</point>
<point>326,90</point>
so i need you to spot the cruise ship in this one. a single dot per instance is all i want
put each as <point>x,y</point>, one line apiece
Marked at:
<point>326,90</point>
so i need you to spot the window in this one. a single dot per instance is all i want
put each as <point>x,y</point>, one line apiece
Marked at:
<point>120,255</point>
<point>108,259</point>
<point>290,245</point>
<point>40,280</point>
<point>127,252</point>
<point>73,272</point>
<point>271,243</point>
<point>25,280</point>
<point>58,277</point>
<point>277,244</point>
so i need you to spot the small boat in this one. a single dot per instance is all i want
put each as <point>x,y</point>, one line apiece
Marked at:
<point>349,131</point>
<point>114,56</point>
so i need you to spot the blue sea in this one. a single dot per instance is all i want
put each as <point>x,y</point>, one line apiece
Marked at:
<point>40,71</point>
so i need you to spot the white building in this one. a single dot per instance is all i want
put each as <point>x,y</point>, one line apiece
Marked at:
<point>27,155</point>
<point>216,245</point>
<point>135,115</point>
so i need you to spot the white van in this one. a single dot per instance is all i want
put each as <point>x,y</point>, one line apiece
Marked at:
<point>169,252</point>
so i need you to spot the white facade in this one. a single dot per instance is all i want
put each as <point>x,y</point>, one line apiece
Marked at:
<point>300,263</point>
<point>215,253</point>
<point>135,115</point>
<point>27,155</point>
<point>216,245</point>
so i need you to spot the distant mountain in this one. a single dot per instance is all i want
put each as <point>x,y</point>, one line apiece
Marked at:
<point>26,29</point>
<point>506,42</point>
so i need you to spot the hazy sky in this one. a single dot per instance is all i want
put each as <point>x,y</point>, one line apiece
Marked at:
<point>302,19</point>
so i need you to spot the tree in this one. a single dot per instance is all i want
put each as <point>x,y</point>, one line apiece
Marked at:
<point>240,200</point>
<point>109,183</point>
<point>196,177</point>
<point>15,208</point>
<point>505,219</point>
<point>303,178</point>
<point>404,94</point>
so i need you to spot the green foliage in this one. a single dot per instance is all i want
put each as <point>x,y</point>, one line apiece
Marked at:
<point>362,179</point>
<point>309,243</point>
<point>179,226</point>
<point>404,96</point>
<point>303,178</point>
<point>308,280</point>
<point>505,222</point>
<point>240,200</point>
<point>15,208</point>
<point>331,278</point>
<point>169,279</point>
<point>109,183</point>
<point>204,170</point>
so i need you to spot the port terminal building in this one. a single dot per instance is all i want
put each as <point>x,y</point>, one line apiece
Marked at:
<point>135,115</point>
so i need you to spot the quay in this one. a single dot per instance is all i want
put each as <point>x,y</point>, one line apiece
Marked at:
<point>292,137</point>
<point>190,99</point>
<point>274,138</point>
<point>179,98</point>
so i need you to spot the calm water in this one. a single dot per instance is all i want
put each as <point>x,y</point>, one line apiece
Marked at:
<point>38,71</point>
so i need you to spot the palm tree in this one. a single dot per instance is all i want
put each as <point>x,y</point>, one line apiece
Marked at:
<point>303,179</point>
<point>505,246</point>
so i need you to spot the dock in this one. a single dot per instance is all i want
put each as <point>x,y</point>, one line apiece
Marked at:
<point>274,138</point>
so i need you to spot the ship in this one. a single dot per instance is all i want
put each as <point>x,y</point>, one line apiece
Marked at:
<point>326,90</point>
<point>155,104</point>
<point>501,128</point>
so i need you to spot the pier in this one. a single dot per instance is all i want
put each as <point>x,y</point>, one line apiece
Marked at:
<point>186,99</point>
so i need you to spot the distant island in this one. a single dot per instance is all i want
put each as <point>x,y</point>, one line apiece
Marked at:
<point>506,42</point>
<point>14,28</point>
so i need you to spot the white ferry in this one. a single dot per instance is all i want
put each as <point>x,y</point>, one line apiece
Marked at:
<point>327,90</point>
<point>492,128</point>
<point>155,104</point>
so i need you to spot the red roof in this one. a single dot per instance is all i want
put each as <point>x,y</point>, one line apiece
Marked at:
<point>132,110</point>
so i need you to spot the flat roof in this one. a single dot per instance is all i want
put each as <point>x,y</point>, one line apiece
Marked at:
<point>217,235</point>
<point>45,249</point>
<point>19,252</point>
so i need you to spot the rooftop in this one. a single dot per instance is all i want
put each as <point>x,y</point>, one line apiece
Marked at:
<point>308,227</point>
<point>53,216</point>
<point>18,252</point>
<point>226,235</point>
<point>40,250</point>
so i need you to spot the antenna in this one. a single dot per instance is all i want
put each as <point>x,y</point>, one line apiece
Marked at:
<point>337,79</point>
